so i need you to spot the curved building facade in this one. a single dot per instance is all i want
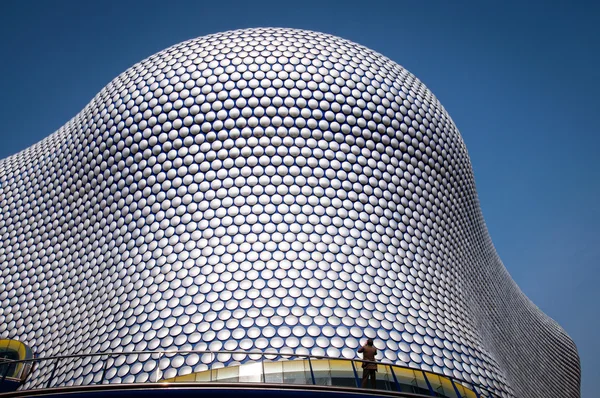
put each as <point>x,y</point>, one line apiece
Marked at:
<point>264,189</point>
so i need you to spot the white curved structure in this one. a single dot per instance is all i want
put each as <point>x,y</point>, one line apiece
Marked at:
<point>265,188</point>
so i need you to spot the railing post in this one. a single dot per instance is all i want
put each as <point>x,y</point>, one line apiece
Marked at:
<point>52,373</point>
<point>355,373</point>
<point>312,374</point>
<point>160,355</point>
<point>455,388</point>
<point>428,384</point>
<point>212,359</point>
<point>104,369</point>
<point>395,379</point>
<point>26,368</point>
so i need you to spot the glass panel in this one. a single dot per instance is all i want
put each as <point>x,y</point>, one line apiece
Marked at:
<point>465,392</point>
<point>322,372</point>
<point>385,380</point>
<point>8,369</point>
<point>273,372</point>
<point>204,376</point>
<point>436,384</point>
<point>411,381</point>
<point>251,373</point>
<point>441,385</point>
<point>185,378</point>
<point>295,372</point>
<point>227,375</point>
<point>14,350</point>
<point>342,374</point>
<point>421,382</point>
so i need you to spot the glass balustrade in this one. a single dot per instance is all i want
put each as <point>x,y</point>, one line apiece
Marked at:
<point>263,368</point>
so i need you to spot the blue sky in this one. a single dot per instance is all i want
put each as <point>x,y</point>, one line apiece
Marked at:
<point>520,81</point>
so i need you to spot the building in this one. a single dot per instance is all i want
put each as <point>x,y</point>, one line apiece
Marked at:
<point>263,189</point>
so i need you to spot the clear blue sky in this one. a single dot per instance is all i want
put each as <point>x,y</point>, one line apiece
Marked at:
<point>521,81</point>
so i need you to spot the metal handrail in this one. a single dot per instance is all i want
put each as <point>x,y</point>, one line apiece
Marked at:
<point>264,354</point>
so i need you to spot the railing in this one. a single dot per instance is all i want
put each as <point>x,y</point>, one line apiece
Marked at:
<point>262,367</point>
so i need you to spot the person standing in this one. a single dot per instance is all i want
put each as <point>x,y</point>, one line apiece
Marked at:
<point>369,369</point>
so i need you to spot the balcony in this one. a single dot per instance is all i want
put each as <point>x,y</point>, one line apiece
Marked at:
<point>264,373</point>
